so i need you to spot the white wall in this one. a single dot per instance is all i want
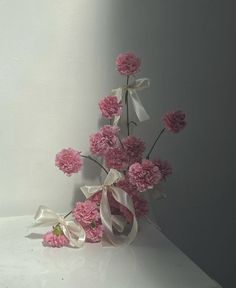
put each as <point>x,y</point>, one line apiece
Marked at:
<point>54,64</point>
<point>56,61</point>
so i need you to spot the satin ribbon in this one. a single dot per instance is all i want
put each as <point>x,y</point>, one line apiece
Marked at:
<point>74,232</point>
<point>109,221</point>
<point>133,88</point>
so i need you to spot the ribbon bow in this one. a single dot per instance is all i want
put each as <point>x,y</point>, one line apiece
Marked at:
<point>109,221</point>
<point>74,232</point>
<point>137,85</point>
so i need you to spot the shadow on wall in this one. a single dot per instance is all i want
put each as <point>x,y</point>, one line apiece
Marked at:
<point>188,50</point>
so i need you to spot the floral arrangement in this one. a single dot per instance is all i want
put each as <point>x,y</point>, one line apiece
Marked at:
<point>111,209</point>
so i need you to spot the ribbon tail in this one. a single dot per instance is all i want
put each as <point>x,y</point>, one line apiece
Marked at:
<point>106,219</point>
<point>118,223</point>
<point>124,199</point>
<point>138,107</point>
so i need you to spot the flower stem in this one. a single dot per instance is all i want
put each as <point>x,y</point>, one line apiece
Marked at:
<point>95,161</point>
<point>67,214</point>
<point>127,105</point>
<point>153,145</point>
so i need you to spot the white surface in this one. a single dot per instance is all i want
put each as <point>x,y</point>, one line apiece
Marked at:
<point>151,261</point>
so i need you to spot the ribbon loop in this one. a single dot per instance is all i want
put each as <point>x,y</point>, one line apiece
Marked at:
<point>74,232</point>
<point>137,85</point>
<point>108,220</point>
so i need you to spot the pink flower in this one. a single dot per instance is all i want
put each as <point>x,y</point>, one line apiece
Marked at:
<point>144,175</point>
<point>52,240</point>
<point>69,161</point>
<point>134,148</point>
<point>127,186</point>
<point>128,64</point>
<point>174,121</point>
<point>96,198</point>
<point>86,212</point>
<point>110,107</point>
<point>164,168</point>
<point>109,131</point>
<point>94,233</point>
<point>116,158</point>
<point>140,207</point>
<point>103,140</point>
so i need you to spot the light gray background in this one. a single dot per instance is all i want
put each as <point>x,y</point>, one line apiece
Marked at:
<point>56,61</point>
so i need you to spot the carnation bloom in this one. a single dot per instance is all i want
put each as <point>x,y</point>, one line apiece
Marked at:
<point>174,121</point>
<point>52,240</point>
<point>94,232</point>
<point>164,168</point>
<point>86,212</point>
<point>128,187</point>
<point>134,148</point>
<point>128,64</point>
<point>140,208</point>
<point>96,198</point>
<point>69,161</point>
<point>101,141</point>
<point>144,175</point>
<point>110,107</point>
<point>116,158</point>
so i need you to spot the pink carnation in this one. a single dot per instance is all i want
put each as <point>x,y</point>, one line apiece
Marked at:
<point>96,198</point>
<point>116,158</point>
<point>110,107</point>
<point>164,168</point>
<point>52,240</point>
<point>101,141</point>
<point>94,233</point>
<point>69,161</point>
<point>140,207</point>
<point>86,212</point>
<point>144,175</point>
<point>109,131</point>
<point>128,64</point>
<point>127,186</point>
<point>114,205</point>
<point>174,121</point>
<point>134,148</point>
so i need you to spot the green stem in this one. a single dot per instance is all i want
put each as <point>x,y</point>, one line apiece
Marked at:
<point>95,161</point>
<point>127,105</point>
<point>153,145</point>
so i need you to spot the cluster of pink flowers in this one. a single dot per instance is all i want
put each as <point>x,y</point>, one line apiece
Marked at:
<point>87,215</point>
<point>125,154</point>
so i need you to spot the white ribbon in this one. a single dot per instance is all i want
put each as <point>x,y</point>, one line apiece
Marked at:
<point>109,221</point>
<point>74,232</point>
<point>133,88</point>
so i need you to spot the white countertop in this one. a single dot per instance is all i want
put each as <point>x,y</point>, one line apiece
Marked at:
<point>151,261</point>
